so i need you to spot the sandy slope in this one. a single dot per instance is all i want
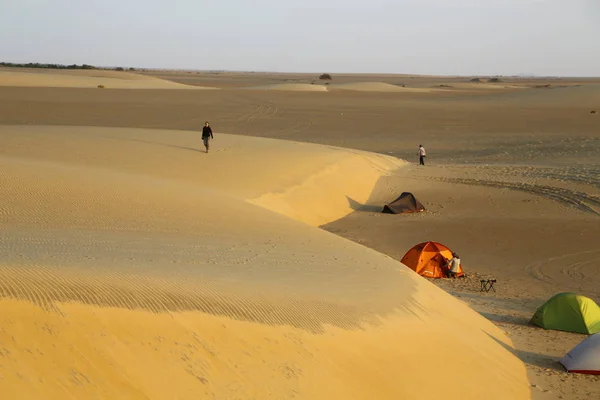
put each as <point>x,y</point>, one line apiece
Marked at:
<point>85,79</point>
<point>379,87</point>
<point>486,86</point>
<point>532,228</point>
<point>291,87</point>
<point>352,86</point>
<point>225,79</point>
<point>511,178</point>
<point>135,266</point>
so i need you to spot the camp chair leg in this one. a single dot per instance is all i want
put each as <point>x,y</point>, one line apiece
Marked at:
<point>487,284</point>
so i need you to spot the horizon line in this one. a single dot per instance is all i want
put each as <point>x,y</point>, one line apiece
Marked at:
<point>250,71</point>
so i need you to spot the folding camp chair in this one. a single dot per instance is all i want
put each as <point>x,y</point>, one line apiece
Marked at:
<point>487,284</point>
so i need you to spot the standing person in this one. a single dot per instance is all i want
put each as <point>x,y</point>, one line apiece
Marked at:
<point>422,154</point>
<point>453,266</point>
<point>207,134</point>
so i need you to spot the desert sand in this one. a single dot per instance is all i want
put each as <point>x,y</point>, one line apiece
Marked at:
<point>123,230</point>
<point>85,79</point>
<point>292,87</point>
<point>379,87</point>
<point>352,86</point>
<point>136,266</point>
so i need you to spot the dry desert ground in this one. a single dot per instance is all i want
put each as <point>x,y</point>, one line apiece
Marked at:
<point>135,266</point>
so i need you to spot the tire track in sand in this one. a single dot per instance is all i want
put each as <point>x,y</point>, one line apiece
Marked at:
<point>582,201</point>
<point>268,110</point>
<point>555,270</point>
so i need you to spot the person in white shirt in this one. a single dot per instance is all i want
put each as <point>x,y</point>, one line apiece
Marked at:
<point>422,154</point>
<point>453,266</point>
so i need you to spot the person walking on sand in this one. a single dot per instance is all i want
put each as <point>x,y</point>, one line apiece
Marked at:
<point>422,154</point>
<point>453,266</point>
<point>207,134</point>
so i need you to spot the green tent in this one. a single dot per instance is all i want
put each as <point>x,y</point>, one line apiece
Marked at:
<point>569,312</point>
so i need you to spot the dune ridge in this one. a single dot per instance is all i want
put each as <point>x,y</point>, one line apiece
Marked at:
<point>380,87</point>
<point>291,87</point>
<point>87,79</point>
<point>136,266</point>
<point>323,190</point>
<point>353,86</point>
<point>485,86</point>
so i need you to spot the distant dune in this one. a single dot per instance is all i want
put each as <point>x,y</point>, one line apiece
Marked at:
<point>379,87</point>
<point>85,79</point>
<point>486,86</point>
<point>292,87</point>
<point>353,86</point>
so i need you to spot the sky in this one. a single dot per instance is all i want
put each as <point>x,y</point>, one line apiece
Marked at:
<point>447,37</point>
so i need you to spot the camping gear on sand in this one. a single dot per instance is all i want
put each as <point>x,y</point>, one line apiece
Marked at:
<point>585,357</point>
<point>406,203</point>
<point>428,259</point>
<point>487,284</point>
<point>569,312</point>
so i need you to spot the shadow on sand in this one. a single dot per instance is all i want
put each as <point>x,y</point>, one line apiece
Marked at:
<point>356,206</point>
<point>531,358</point>
<point>157,144</point>
<point>509,319</point>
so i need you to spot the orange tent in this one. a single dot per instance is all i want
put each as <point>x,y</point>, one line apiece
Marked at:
<point>429,259</point>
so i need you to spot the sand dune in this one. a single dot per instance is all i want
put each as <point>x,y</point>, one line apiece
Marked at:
<point>352,86</point>
<point>379,87</point>
<point>98,73</point>
<point>86,79</point>
<point>486,86</point>
<point>559,97</point>
<point>292,87</point>
<point>136,266</point>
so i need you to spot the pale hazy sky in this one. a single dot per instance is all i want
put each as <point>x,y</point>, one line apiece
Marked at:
<point>543,37</point>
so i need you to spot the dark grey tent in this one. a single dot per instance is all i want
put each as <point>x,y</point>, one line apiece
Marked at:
<point>406,203</point>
